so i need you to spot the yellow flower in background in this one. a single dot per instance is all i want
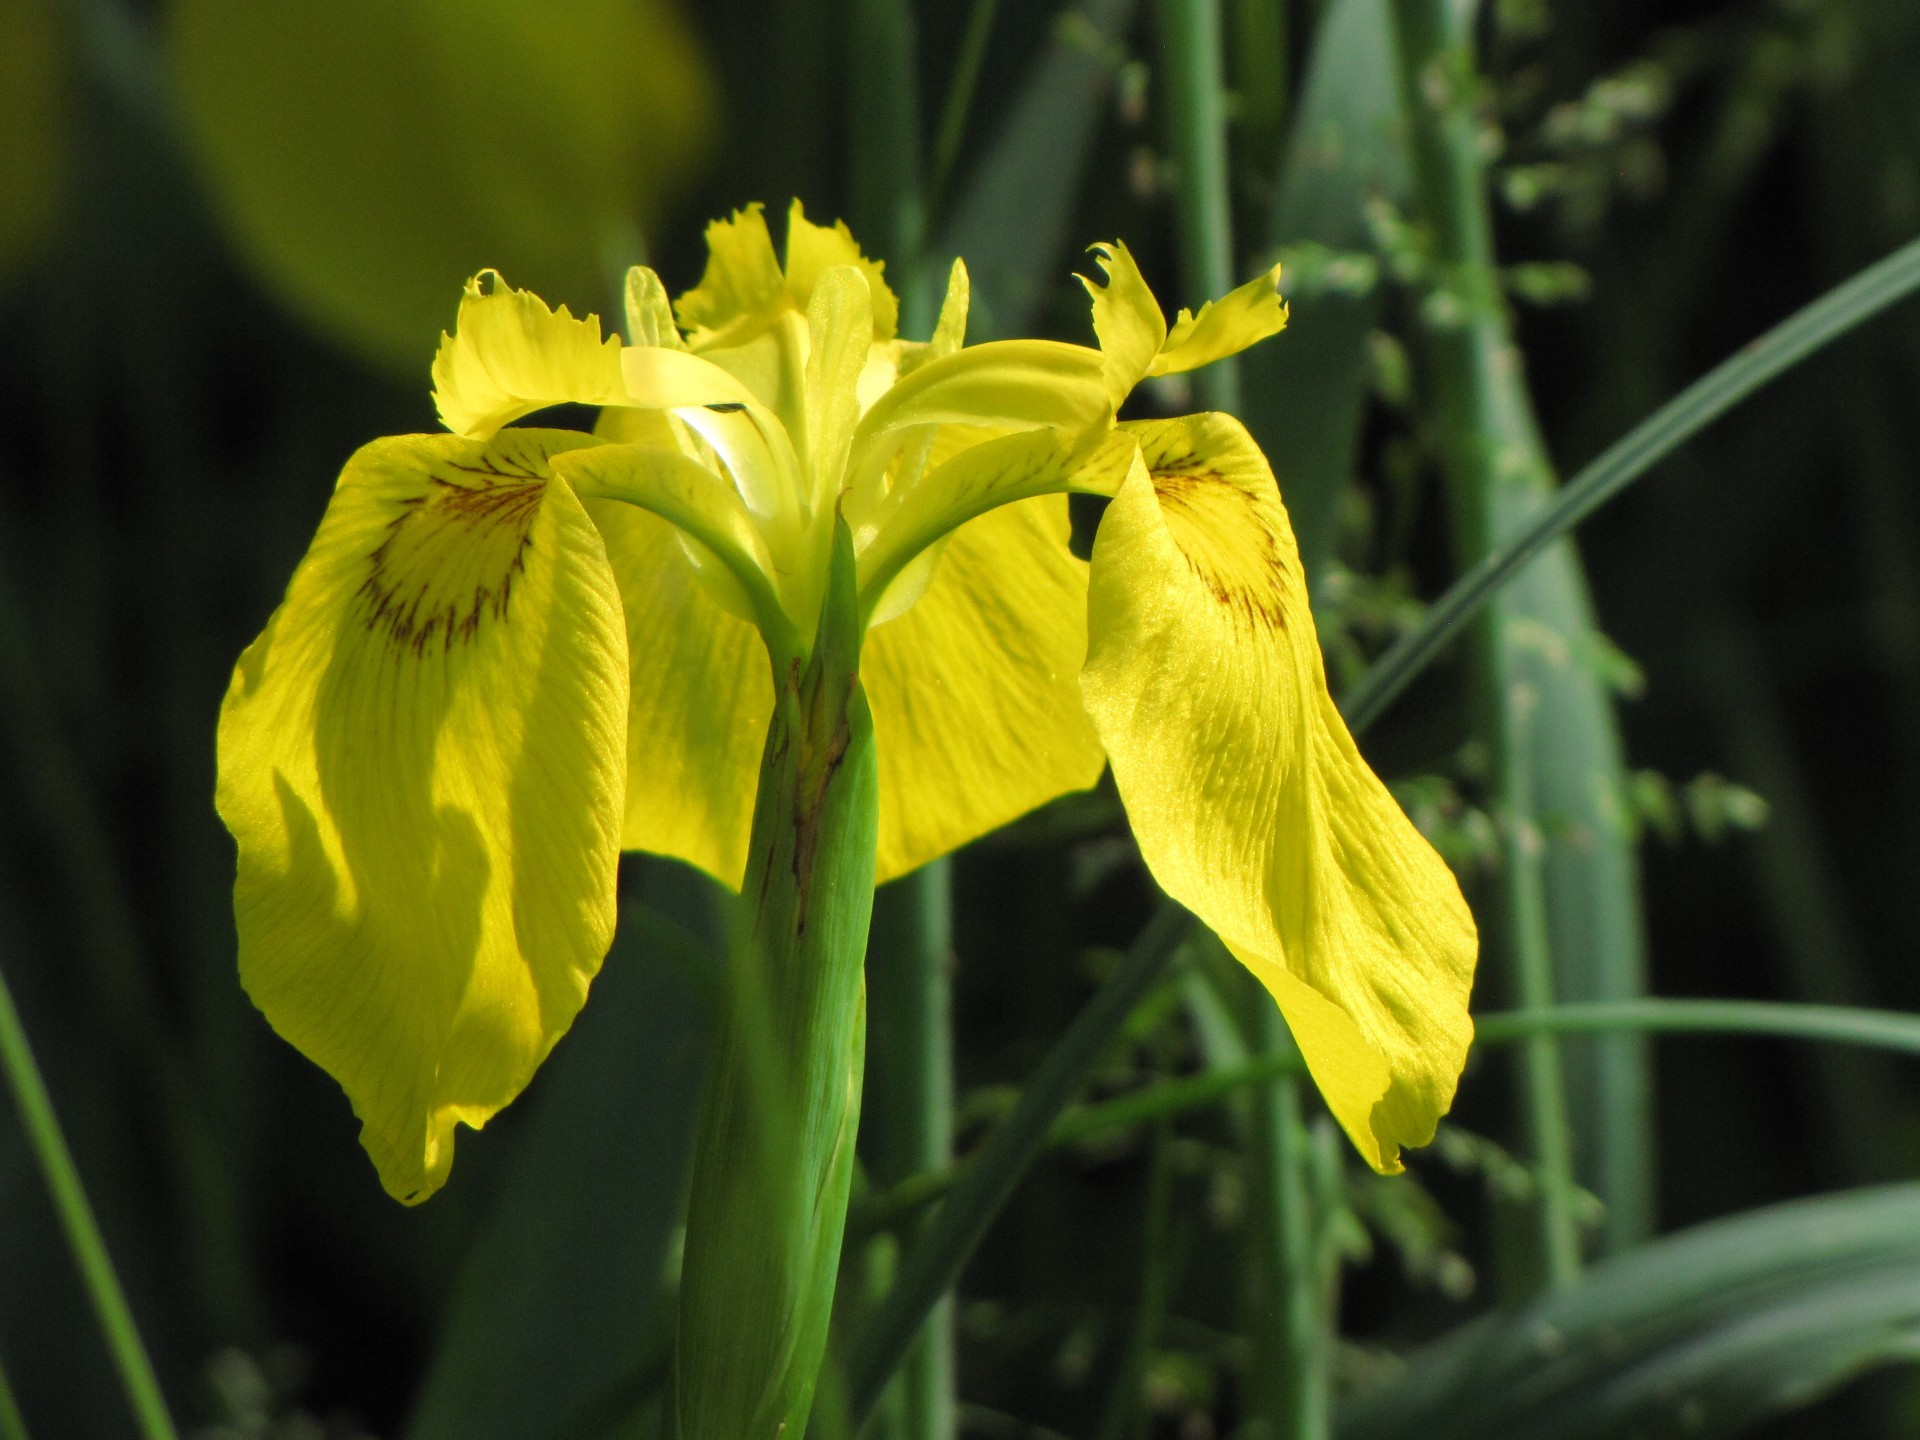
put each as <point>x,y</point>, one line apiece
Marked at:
<point>513,652</point>
<point>33,129</point>
<point>369,155</point>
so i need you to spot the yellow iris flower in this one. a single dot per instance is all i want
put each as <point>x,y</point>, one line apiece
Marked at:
<point>513,652</point>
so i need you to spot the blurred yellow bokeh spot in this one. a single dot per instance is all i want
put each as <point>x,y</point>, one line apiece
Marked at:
<point>33,130</point>
<point>370,155</point>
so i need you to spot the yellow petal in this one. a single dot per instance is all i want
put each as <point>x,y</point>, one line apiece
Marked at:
<point>742,287</point>
<point>649,312</point>
<point>979,478</point>
<point>840,322</point>
<point>1249,799</point>
<point>812,250</point>
<point>1126,318</point>
<point>702,693</point>
<point>421,760</point>
<point>368,155</point>
<point>705,508</point>
<point>976,712</point>
<point>509,355</point>
<point>1224,327</point>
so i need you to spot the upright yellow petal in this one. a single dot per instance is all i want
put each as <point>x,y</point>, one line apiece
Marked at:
<point>812,250</point>
<point>840,320</point>
<point>649,312</point>
<point>1126,319</point>
<point>702,693</point>
<point>741,290</point>
<point>422,761</point>
<point>976,710</point>
<point>1250,801</point>
<point>509,355</point>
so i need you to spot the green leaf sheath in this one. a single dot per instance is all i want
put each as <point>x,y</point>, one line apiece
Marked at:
<point>773,1157</point>
<point>1570,905</point>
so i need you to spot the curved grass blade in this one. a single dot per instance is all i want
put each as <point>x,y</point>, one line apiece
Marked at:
<point>1878,287</point>
<point>1698,1335</point>
<point>89,1247</point>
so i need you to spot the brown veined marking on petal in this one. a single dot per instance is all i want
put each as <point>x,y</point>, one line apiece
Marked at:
<point>1225,530</point>
<point>450,556</point>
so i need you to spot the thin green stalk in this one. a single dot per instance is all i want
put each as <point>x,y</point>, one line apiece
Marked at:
<point>1493,454</point>
<point>82,1230</point>
<point>1197,119</point>
<point>13,1425</point>
<point>1807,330</point>
<point>1290,1397</point>
<point>1126,1418</point>
<point>1835,1024</point>
<point>888,202</point>
<point>908,1131</point>
<point>960,92</point>
<point>1290,1382</point>
<point>934,1263</point>
<point>1844,1025</point>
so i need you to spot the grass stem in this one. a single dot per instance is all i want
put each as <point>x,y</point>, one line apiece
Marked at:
<point>82,1229</point>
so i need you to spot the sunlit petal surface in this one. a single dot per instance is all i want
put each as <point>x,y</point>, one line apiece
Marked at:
<point>1250,802</point>
<point>422,760</point>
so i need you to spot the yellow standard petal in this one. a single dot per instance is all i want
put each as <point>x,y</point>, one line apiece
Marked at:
<point>976,709</point>
<point>509,355</point>
<point>744,288</point>
<point>422,760</point>
<point>1250,801</point>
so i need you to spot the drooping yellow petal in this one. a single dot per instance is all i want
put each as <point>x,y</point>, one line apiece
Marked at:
<point>422,760</point>
<point>1250,801</point>
<point>702,693</point>
<point>976,709</point>
<point>509,355</point>
<point>1224,327</point>
<point>812,250</point>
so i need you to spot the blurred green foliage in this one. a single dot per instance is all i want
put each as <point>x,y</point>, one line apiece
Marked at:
<point>229,237</point>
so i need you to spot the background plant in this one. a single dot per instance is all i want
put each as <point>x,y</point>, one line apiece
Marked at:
<point>1664,183</point>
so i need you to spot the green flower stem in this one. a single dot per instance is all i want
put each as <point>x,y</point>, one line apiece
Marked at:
<point>1290,1396</point>
<point>934,1263</point>
<point>13,1425</point>
<point>773,1154</point>
<point>82,1230</point>
<point>908,1131</point>
<point>1492,453</point>
<point>1878,287</point>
